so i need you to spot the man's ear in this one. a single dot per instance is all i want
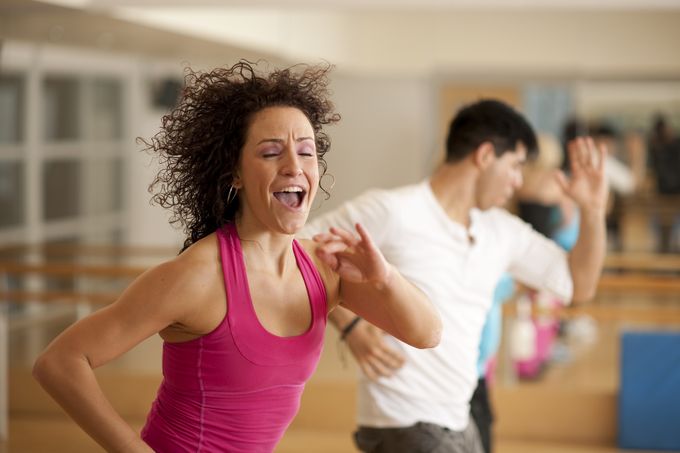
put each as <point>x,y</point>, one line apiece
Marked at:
<point>484,155</point>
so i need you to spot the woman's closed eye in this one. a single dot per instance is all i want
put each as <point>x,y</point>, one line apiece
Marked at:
<point>306,151</point>
<point>272,151</point>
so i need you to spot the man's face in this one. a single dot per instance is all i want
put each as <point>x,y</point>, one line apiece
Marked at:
<point>500,179</point>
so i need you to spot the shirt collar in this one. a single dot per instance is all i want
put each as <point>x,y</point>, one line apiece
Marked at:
<point>457,229</point>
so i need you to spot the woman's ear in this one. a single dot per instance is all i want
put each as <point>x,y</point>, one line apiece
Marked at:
<point>484,155</point>
<point>236,181</point>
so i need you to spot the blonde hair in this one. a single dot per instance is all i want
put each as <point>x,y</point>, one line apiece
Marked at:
<point>550,154</point>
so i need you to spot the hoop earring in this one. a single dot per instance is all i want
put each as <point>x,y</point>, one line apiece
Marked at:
<point>231,195</point>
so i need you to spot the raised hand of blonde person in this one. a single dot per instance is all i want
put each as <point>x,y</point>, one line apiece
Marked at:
<point>587,185</point>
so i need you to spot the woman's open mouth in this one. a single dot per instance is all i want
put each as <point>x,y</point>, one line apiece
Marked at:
<point>291,196</point>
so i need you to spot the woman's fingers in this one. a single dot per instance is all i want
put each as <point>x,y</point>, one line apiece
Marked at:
<point>332,247</point>
<point>345,235</point>
<point>325,237</point>
<point>365,237</point>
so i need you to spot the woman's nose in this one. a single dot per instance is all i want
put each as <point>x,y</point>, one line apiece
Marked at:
<point>291,165</point>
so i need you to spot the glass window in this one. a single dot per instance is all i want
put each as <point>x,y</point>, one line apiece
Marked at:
<point>61,101</point>
<point>61,189</point>
<point>104,190</point>
<point>11,193</point>
<point>11,108</point>
<point>117,170</point>
<point>165,93</point>
<point>107,109</point>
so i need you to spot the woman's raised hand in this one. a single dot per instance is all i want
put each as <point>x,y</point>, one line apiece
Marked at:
<point>355,259</point>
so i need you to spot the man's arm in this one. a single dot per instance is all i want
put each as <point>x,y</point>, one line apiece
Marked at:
<point>587,257</point>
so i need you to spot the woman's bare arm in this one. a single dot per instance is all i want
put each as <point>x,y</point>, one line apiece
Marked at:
<point>157,299</point>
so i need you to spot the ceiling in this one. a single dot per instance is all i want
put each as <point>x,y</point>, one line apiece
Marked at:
<point>384,5</point>
<point>564,38</point>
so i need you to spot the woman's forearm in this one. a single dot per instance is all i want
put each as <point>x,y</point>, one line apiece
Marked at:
<point>71,382</point>
<point>398,307</point>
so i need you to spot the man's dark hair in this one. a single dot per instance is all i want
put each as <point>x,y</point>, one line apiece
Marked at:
<point>488,120</point>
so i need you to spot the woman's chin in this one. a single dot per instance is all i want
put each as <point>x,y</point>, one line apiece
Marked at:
<point>293,226</point>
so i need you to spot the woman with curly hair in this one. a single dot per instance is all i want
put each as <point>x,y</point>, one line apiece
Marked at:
<point>242,310</point>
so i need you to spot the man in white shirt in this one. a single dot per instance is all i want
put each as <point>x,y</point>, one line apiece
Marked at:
<point>448,237</point>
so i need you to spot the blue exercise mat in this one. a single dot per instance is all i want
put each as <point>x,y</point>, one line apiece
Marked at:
<point>649,398</point>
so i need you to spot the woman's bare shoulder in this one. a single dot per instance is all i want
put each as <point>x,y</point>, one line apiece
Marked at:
<point>193,287</point>
<point>330,278</point>
<point>198,267</point>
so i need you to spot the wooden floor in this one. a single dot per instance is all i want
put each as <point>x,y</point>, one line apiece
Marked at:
<point>60,436</point>
<point>583,386</point>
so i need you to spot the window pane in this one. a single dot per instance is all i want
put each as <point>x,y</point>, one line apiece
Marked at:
<point>61,103</point>
<point>11,193</point>
<point>11,108</point>
<point>117,178</point>
<point>107,109</point>
<point>104,192</point>
<point>61,189</point>
<point>165,93</point>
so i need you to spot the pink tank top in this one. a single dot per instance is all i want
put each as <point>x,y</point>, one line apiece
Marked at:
<point>237,388</point>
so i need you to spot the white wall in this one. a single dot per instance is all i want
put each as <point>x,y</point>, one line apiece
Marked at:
<point>147,225</point>
<point>570,42</point>
<point>385,137</point>
<point>557,43</point>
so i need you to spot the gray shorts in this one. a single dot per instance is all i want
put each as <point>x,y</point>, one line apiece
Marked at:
<point>419,438</point>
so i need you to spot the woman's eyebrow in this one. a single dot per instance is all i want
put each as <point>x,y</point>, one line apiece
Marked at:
<point>280,140</point>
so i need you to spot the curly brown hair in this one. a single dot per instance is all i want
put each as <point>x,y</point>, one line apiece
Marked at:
<point>200,141</point>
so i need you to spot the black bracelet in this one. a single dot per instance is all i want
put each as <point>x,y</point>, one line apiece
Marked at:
<point>349,327</point>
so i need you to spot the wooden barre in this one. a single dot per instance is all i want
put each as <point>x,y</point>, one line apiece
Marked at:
<point>608,282</point>
<point>71,270</point>
<point>638,283</point>
<point>643,261</point>
<point>639,261</point>
<point>652,315</point>
<point>87,250</point>
<point>58,296</point>
<point>608,313</point>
